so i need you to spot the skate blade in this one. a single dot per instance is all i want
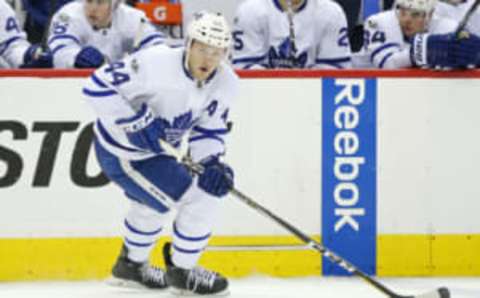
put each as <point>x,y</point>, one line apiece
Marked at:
<point>185,293</point>
<point>127,284</point>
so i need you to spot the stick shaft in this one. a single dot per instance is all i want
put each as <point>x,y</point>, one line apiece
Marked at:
<point>467,17</point>
<point>198,169</point>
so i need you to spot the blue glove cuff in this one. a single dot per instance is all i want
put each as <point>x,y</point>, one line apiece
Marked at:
<point>139,121</point>
<point>418,51</point>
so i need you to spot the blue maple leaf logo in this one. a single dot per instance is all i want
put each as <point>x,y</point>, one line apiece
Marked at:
<point>175,130</point>
<point>285,56</point>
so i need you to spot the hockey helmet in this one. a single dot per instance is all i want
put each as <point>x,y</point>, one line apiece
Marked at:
<point>211,29</point>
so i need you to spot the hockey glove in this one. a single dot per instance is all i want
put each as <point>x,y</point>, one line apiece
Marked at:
<point>89,57</point>
<point>217,177</point>
<point>143,130</point>
<point>432,50</point>
<point>36,57</point>
<point>466,49</point>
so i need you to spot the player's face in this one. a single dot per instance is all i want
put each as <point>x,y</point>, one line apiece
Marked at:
<point>295,4</point>
<point>98,12</point>
<point>411,21</point>
<point>204,59</point>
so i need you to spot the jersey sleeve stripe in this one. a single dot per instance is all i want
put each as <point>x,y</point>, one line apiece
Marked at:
<point>385,59</point>
<point>106,136</point>
<point>335,62</point>
<point>58,48</point>
<point>249,59</point>
<point>156,37</point>
<point>203,137</point>
<point>383,48</point>
<point>138,116</point>
<point>98,82</point>
<point>4,46</point>
<point>64,36</point>
<point>93,93</point>
<point>210,131</point>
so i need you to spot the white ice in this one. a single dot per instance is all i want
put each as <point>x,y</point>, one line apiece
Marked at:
<point>253,287</point>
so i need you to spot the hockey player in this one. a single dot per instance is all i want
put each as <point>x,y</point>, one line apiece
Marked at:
<point>168,93</point>
<point>290,34</point>
<point>85,33</point>
<point>456,10</point>
<point>15,50</point>
<point>411,35</point>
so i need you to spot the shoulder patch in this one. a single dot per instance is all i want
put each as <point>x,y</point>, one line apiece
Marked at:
<point>63,17</point>
<point>372,24</point>
<point>134,65</point>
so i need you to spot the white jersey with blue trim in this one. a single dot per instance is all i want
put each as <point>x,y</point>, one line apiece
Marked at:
<point>385,45</point>
<point>157,77</point>
<point>13,40</point>
<point>70,31</point>
<point>262,35</point>
<point>457,12</point>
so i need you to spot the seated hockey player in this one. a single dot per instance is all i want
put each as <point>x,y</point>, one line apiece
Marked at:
<point>164,93</point>
<point>411,35</point>
<point>290,34</point>
<point>15,50</point>
<point>87,33</point>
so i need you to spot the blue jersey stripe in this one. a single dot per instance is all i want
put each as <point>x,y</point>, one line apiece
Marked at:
<point>93,93</point>
<point>58,48</point>
<point>203,130</point>
<point>249,59</point>
<point>140,114</point>
<point>63,36</point>
<point>4,46</point>
<point>334,60</point>
<point>203,137</point>
<point>385,59</point>
<point>149,38</point>
<point>98,82</point>
<point>106,136</point>
<point>382,48</point>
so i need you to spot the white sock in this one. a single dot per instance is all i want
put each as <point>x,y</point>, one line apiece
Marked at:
<point>143,227</point>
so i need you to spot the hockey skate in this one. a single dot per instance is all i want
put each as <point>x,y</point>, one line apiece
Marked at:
<point>193,282</point>
<point>127,273</point>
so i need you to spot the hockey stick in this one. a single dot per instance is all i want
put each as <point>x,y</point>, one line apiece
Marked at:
<point>51,11</point>
<point>466,18</point>
<point>291,28</point>
<point>332,256</point>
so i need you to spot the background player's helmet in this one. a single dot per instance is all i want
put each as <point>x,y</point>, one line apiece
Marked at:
<point>426,6</point>
<point>211,29</point>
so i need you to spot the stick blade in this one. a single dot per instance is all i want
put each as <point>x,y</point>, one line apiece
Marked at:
<point>439,293</point>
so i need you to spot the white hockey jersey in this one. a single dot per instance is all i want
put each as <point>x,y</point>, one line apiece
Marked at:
<point>13,40</point>
<point>385,46</point>
<point>457,12</point>
<point>262,39</point>
<point>157,76</point>
<point>70,31</point>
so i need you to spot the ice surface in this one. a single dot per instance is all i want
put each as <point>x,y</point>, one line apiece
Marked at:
<point>253,287</point>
